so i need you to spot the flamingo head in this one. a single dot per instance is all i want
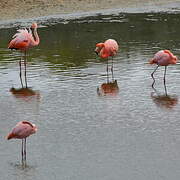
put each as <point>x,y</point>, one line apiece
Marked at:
<point>99,46</point>
<point>175,59</point>
<point>34,25</point>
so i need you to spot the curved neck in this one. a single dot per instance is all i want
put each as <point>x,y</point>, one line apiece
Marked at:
<point>36,37</point>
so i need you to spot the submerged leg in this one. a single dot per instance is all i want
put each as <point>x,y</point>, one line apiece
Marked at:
<point>152,75</point>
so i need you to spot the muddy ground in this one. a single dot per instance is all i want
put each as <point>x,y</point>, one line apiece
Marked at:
<point>22,9</point>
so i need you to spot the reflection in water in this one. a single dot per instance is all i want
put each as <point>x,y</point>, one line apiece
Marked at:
<point>109,88</point>
<point>164,100</point>
<point>23,171</point>
<point>25,93</point>
<point>64,70</point>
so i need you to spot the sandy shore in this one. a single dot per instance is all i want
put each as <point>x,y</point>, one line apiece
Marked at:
<point>19,9</point>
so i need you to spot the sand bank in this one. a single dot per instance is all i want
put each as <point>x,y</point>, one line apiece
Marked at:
<point>21,11</point>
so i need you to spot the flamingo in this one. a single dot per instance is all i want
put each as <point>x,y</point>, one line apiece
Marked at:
<point>22,130</point>
<point>107,49</point>
<point>162,58</point>
<point>23,40</point>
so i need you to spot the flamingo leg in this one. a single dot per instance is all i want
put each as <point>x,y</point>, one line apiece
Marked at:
<point>25,68</point>
<point>165,80</point>
<point>22,151</point>
<point>165,75</point>
<point>107,72</point>
<point>152,75</point>
<point>20,72</point>
<point>25,149</point>
<point>112,70</point>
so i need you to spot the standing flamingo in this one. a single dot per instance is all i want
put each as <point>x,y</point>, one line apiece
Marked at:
<point>23,40</point>
<point>107,49</point>
<point>162,58</point>
<point>22,130</point>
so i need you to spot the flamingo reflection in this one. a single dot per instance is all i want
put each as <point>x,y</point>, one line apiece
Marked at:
<point>164,100</point>
<point>109,88</point>
<point>25,93</point>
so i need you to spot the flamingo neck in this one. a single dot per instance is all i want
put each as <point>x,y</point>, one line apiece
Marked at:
<point>36,37</point>
<point>169,53</point>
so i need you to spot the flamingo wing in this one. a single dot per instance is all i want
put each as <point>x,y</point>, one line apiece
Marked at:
<point>21,40</point>
<point>22,130</point>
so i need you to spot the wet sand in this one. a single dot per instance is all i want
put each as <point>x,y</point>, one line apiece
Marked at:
<point>18,9</point>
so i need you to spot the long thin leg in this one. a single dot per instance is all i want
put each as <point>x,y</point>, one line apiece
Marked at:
<point>107,72</point>
<point>152,75</point>
<point>112,70</point>
<point>25,68</point>
<point>165,88</point>
<point>165,75</point>
<point>22,151</point>
<point>165,80</point>
<point>25,149</point>
<point>20,72</point>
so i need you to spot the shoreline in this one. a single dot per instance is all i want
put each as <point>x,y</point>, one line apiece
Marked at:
<point>71,9</point>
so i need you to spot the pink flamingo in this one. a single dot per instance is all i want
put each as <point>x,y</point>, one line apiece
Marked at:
<point>22,130</point>
<point>162,58</point>
<point>107,49</point>
<point>23,40</point>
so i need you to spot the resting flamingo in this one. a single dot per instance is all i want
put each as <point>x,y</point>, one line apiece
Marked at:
<point>23,40</point>
<point>107,49</point>
<point>22,130</point>
<point>162,58</point>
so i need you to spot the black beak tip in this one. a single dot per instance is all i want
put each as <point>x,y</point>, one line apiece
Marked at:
<point>96,52</point>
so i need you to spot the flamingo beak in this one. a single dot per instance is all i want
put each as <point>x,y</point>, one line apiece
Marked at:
<point>96,53</point>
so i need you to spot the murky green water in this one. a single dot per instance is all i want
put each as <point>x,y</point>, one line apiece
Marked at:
<point>127,131</point>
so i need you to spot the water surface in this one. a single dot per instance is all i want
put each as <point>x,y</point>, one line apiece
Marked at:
<point>132,132</point>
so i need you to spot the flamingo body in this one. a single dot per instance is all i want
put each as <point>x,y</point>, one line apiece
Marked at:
<point>22,130</point>
<point>24,40</point>
<point>163,58</point>
<point>106,49</point>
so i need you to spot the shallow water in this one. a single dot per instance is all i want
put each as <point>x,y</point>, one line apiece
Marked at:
<point>130,131</point>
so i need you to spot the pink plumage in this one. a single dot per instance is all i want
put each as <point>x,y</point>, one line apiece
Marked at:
<point>163,58</point>
<point>106,49</point>
<point>24,40</point>
<point>22,130</point>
